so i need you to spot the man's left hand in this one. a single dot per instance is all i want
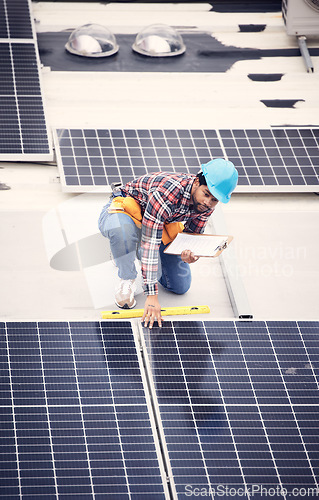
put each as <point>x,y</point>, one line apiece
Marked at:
<point>152,311</point>
<point>188,256</point>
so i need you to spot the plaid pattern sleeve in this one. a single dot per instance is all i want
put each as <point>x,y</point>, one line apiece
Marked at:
<point>156,212</point>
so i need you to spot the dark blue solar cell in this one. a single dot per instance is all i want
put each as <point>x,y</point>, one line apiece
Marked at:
<point>243,181</point>
<point>147,146</point>
<point>192,162</point>
<point>135,152</point>
<point>134,147</point>
<point>311,180</point>
<point>232,152</point>
<point>159,144</point>
<point>120,151</point>
<point>155,134</point>
<point>262,162</point>
<point>116,133</point>
<point>203,153</point>
<point>132,134</point>
<point>190,152</point>
<point>183,134</point>
<point>197,133</point>
<point>239,133</point>
<point>229,143</point>
<point>170,133</point>
<point>242,143</point>
<point>245,152</point>
<point>256,143</point>
<point>248,163</point>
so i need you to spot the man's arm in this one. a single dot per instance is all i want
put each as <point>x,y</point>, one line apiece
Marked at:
<point>156,212</point>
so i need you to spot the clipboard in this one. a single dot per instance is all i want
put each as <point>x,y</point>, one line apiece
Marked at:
<point>183,242</point>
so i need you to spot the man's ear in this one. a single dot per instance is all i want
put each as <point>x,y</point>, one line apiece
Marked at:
<point>196,182</point>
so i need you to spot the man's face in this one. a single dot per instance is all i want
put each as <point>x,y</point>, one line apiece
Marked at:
<point>202,199</point>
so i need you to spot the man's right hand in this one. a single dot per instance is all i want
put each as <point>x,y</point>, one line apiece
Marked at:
<point>188,256</point>
<point>152,311</point>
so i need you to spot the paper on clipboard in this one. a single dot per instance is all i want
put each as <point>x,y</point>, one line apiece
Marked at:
<point>202,245</point>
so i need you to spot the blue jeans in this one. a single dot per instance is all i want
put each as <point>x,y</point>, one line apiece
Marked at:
<point>125,238</point>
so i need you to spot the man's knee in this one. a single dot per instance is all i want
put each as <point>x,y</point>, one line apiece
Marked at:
<point>182,286</point>
<point>114,234</point>
<point>178,284</point>
<point>118,227</point>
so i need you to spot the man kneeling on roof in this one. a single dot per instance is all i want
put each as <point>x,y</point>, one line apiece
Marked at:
<point>143,217</point>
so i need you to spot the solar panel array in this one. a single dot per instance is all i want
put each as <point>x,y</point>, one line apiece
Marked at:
<point>23,129</point>
<point>238,410</point>
<point>280,159</point>
<point>239,403</point>
<point>74,416</point>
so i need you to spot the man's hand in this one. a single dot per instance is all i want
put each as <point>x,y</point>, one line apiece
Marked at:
<point>188,256</point>
<point>152,311</point>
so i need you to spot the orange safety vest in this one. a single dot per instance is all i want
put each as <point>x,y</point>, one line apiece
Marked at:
<point>130,207</point>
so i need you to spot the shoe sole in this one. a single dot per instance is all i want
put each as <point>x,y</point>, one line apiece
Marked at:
<point>126,306</point>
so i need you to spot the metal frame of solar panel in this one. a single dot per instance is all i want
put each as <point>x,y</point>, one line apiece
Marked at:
<point>239,406</point>
<point>23,129</point>
<point>75,418</point>
<point>268,160</point>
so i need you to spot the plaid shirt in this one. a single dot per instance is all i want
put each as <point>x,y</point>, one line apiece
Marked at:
<point>164,198</point>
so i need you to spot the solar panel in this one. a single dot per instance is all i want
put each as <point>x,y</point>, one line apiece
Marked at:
<point>23,129</point>
<point>278,159</point>
<point>236,404</point>
<point>15,19</point>
<point>239,405</point>
<point>74,414</point>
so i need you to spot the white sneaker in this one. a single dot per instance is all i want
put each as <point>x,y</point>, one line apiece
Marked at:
<point>124,294</point>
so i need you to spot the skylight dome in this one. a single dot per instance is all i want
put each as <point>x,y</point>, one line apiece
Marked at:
<point>92,40</point>
<point>159,40</point>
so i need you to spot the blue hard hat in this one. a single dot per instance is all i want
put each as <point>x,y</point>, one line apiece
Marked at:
<point>221,178</point>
